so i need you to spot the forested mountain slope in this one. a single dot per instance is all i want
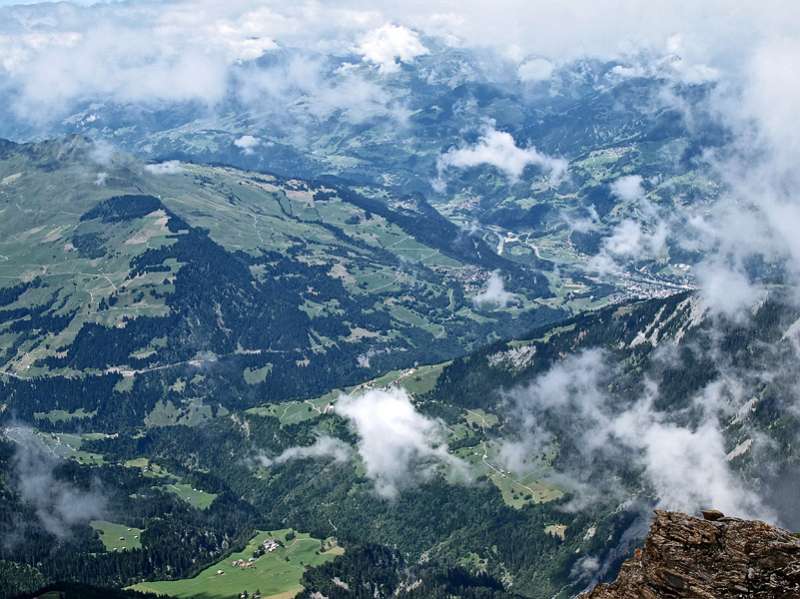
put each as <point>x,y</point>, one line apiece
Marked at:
<point>542,521</point>
<point>220,287</point>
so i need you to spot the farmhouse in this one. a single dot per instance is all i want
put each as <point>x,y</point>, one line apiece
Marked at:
<point>270,545</point>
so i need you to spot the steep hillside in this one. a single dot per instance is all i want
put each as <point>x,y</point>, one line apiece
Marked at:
<point>212,478</point>
<point>715,556</point>
<point>222,287</point>
<point>531,527</point>
<point>604,125</point>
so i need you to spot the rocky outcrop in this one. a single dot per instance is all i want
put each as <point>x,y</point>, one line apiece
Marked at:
<point>714,557</point>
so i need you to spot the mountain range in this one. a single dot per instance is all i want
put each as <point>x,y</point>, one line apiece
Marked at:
<point>447,324</point>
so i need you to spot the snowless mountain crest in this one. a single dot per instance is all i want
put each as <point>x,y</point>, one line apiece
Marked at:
<point>713,556</point>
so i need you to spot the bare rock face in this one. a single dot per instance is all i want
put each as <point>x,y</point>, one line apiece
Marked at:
<point>711,558</point>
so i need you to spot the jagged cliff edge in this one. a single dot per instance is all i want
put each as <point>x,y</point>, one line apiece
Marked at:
<point>714,557</point>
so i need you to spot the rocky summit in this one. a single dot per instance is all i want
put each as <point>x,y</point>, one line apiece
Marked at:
<point>713,557</point>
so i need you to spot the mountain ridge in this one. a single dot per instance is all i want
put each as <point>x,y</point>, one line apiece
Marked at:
<point>710,557</point>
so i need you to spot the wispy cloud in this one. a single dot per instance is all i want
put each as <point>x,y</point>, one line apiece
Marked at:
<point>603,437</point>
<point>495,293</point>
<point>324,446</point>
<point>59,504</point>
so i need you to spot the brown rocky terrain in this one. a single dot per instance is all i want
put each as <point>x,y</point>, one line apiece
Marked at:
<point>714,557</point>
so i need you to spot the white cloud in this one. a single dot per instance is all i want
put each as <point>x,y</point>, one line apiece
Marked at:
<point>324,446</point>
<point>671,66</point>
<point>633,239</point>
<point>535,69</point>
<point>630,240</point>
<point>59,504</point>
<point>628,188</point>
<point>498,149</point>
<point>398,445</point>
<point>390,45</point>
<point>170,167</point>
<point>686,465</point>
<point>754,221</point>
<point>53,55</point>
<point>247,143</point>
<point>726,289</point>
<point>304,88</point>
<point>583,224</point>
<point>115,63</point>
<point>495,293</point>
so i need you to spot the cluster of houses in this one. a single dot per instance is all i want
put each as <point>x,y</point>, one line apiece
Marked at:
<point>267,546</point>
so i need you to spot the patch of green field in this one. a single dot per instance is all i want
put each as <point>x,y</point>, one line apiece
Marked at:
<point>518,490</point>
<point>125,385</point>
<point>411,317</point>
<point>293,412</point>
<point>547,336</point>
<point>274,574</point>
<point>68,446</point>
<point>417,381</point>
<point>254,376</point>
<point>481,418</point>
<point>370,280</point>
<point>117,537</point>
<point>188,413</point>
<point>197,498</point>
<point>148,468</point>
<point>423,379</point>
<point>458,432</point>
<point>55,416</point>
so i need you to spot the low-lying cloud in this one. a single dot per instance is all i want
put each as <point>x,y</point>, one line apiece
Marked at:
<point>495,294</point>
<point>305,89</point>
<point>324,447</point>
<point>398,445</point>
<point>59,505</point>
<point>535,69</point>
<point>685,465</point>
<point>247,143</point>
<point>170,167</point>
<point>498,149</point>
<point>628,188</point>
<point>389,46</point>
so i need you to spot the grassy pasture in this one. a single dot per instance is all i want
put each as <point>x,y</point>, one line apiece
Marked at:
<point>194,497</point>
<point>117,537</point>
<point>275,574</point>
